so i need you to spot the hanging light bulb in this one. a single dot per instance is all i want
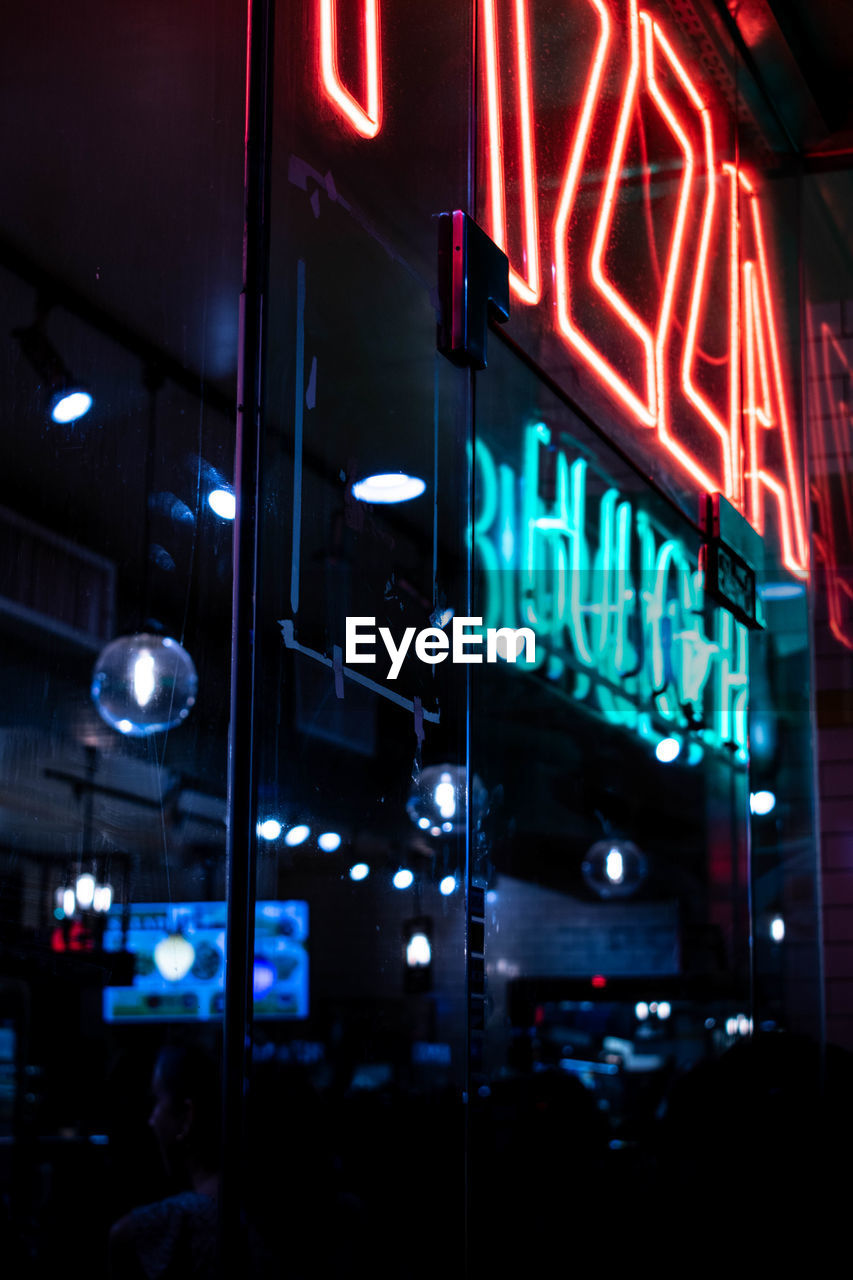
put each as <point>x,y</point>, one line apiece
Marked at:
<point>144,684</point>
<point>438,801</point>
<point>174,957</point>
<point>614,868</point>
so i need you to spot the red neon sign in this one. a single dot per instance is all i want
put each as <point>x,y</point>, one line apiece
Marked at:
<point>834,521</point>
<point>365,118</point>
<point>526,285</point>
<point>647,356</point>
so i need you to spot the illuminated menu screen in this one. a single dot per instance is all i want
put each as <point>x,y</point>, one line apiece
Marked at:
<point>179,961</point>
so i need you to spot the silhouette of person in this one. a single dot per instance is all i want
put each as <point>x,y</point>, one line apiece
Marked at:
<point>177,1236</point>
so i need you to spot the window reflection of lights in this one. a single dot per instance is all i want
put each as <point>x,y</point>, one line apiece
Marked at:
<point>69,902</point>
<point>223,503</point>
<point>418,951</point>
<point>389,487</point>
<point>84,891</point>
<point>744,1024</point>
<point>447,827</point>
<point>667,750</point>
<point>447,885</point>
<point>329,841</point>
<point>664,1009</point>
<point>269,829</point>
<point>403,879</point>
<point>435,831</point>
<point>423,823</point>
<point>297,835</point>
<point>641,1010</point>
<point>359,871</point>
<point>762,802</point>
<point>777,929</point>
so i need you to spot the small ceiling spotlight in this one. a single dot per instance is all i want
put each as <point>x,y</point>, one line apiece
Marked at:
<point>223,503</point>
<point>641,1010</point>
<point>359,871</point>
<point>388,487</point>
<point>68,399</point>
<point>269,829</point>
<point>777,929</point>
<point>614,868</point>
<point>761,803</point>
<point>297,835</point>
<point>667,750</point>
<point>403,879</point>
<point>447,885</point>
<point>329,841</point>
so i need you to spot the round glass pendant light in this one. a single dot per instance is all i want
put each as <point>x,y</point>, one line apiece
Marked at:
<point>614,868</point>
<point>438,801</point>
<point>144,684</point>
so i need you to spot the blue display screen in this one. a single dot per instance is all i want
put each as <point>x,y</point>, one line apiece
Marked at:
<point>179,961</point>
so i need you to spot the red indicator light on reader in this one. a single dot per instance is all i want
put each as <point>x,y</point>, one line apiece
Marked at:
<point>599,981</point>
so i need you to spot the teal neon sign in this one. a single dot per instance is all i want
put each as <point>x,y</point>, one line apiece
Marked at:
<point>619,616</point>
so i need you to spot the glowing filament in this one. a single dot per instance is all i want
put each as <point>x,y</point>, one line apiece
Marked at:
<point>614,867</point>
<point>445,796</point>
<point>143,679</point>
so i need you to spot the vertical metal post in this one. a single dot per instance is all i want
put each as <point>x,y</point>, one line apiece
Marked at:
<point>242,818</point>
